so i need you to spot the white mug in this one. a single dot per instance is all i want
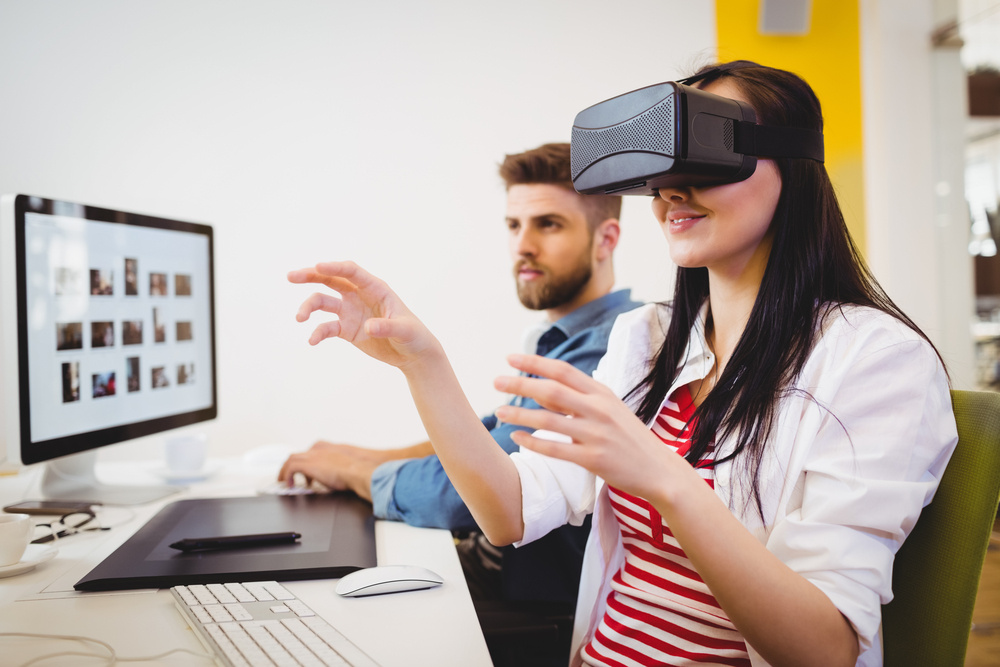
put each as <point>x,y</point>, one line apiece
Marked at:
<point>15,534</point>
<point>186,453</point>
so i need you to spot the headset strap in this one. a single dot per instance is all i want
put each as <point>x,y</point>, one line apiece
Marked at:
<point>773,141</point>
<point>708,76</point>
<point>765,140</point>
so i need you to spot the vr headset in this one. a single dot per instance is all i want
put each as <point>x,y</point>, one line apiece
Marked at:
<point>671,134</point>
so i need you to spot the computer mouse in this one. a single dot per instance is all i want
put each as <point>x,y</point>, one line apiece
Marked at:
<point>387,579</point>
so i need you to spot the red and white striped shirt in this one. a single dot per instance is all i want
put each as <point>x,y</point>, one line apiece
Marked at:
<point>659,610</point>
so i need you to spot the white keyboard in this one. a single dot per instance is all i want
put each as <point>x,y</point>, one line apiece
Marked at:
<point>262,623</point>
<point>282,489</point>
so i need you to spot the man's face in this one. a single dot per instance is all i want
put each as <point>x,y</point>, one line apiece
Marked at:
<point>551,245</point>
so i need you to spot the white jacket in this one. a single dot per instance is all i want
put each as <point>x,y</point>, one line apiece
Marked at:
<point>853,458</point>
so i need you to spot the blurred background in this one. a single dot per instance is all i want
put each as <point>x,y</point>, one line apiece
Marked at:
<point>312,130</point>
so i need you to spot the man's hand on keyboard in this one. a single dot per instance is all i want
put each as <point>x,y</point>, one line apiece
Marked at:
<point>337,467</point>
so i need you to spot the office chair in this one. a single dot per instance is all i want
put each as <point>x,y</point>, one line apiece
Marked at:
<point>936,572</point>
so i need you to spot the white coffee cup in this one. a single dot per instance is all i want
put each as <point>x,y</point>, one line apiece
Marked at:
<point>186,453</point>
<point>15,534</point>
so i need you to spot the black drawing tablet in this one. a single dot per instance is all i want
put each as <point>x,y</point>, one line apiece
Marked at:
<point>338,537</point>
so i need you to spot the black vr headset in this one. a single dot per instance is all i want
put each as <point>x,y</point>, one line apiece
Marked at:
<point>672,134</point>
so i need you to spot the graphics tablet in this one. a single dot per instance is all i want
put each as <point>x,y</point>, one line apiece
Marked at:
<point>338,537</point>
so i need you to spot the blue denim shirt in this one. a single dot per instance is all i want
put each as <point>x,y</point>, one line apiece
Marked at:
<point>418,492</point>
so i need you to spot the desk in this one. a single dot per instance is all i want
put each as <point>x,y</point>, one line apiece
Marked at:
<point>430,627</point>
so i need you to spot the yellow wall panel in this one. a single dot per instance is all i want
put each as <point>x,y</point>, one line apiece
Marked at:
<point>829,58</point>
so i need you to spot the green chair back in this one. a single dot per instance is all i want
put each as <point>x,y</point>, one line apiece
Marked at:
<point>936,572</point>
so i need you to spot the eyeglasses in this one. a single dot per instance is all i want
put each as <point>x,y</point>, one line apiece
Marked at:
<point>66,525</point>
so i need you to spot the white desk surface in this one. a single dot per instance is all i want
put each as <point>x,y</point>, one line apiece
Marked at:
<point>430,627</point>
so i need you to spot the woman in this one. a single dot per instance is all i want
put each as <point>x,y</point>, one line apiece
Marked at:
<point>783,424</point>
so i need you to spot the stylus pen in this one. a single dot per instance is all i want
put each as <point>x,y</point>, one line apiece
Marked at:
<point>234,541</point>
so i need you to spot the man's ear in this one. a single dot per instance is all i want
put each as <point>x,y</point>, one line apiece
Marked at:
<point>606,238</point>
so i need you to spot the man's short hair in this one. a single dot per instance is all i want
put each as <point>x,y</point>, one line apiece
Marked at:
<point>549,164</point>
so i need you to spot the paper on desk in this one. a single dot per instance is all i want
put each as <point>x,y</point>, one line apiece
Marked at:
<point>56,578</point>
<point>62,585</point>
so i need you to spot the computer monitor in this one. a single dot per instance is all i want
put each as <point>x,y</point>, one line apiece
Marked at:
<point>107,334</point>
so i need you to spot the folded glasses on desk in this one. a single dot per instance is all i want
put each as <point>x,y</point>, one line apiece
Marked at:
<point>66,525</point>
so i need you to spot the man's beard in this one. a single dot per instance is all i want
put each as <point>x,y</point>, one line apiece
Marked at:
<point>554,291</point>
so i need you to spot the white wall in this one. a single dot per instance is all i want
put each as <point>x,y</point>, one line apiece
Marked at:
<point>917,220</point>
<point>306,131</point>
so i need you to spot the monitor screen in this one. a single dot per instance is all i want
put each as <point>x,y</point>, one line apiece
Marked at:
<point>113,332</point>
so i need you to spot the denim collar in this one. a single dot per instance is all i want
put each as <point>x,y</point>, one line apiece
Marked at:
<point>584,316</point>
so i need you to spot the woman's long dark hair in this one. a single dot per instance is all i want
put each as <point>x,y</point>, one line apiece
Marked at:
<point>813,266</point>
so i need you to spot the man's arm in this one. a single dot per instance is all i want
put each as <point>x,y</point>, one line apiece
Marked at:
<point>345,467</point>
<point>412,452</point>
<point>418,491</point>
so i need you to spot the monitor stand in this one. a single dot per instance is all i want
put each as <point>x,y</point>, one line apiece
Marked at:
<point>73,478</point>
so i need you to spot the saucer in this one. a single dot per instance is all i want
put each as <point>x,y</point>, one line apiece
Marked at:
<point>179,477</point>
<point>35,554</point>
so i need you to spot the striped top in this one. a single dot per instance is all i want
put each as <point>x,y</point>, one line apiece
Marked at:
<point>659,611</point>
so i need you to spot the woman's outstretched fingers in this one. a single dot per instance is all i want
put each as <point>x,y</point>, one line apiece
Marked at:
<point>553,369</point>
<point>369,314</point>
<point>328,276</point>
<point>310,275</point>
<point>383,327</point>
<point>301,276</point>
<point>549,394</point>
<point>317,301</point>
<point>554,446</point>
<point>533,418</point>
<point>324,331</point>
<point>349,275</point>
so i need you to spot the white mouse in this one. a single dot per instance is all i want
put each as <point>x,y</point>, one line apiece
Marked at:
<point>387,579</point>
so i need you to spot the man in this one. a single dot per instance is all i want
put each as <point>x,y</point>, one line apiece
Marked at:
<point>562,244</point>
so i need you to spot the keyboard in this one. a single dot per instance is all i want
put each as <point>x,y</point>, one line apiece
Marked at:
<point>262,623</point>
<point>282,489</point>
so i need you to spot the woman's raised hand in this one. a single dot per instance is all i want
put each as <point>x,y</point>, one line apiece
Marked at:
<point>370,315</point>
<point>607,438</point>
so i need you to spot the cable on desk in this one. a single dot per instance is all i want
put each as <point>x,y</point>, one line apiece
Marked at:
<point>112,658</point>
